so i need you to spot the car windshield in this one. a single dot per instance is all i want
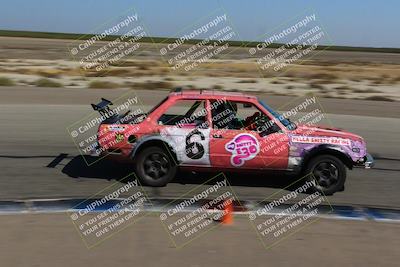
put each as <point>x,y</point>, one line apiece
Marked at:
<point>285,121</point>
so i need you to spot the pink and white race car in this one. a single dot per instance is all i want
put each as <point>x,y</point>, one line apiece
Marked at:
<point>201,129</point>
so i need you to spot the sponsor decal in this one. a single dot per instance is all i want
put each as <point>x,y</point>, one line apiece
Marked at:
<point>116,128</point>
<point>243,147</point>
<point>119,137</point>
<point>320,140</point>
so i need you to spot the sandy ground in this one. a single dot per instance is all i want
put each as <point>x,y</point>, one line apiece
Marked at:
<point>52,240</point>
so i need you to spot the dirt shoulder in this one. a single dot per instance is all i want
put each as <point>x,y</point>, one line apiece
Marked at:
<point>52,240</point>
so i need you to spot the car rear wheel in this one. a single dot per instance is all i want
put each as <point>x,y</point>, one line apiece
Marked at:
<point>154,166</point>
<point>328,172</point>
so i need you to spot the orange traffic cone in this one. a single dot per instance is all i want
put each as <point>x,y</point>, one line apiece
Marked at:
<point>227,218</point>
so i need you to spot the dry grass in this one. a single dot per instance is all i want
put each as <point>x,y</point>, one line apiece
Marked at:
<point>47,83</point>
<point>4,81</point>
<point>319,63</point>
<point>383,79</point>
<point>119,72</point>
<point>327,81</point>
<point>125,64</point>
<point>152,85</point>
<point>355,79</point>
<point>316,86</point>
<point>396,79</point>
<point>103,85</point>
<point>51,73</point>
<point>247,81</point>
<point>277,82</point>
<point>379,98</point>
<point>368,90</point>
<point>115,72</point>
<point>344,88</point>
<point>323,76</point>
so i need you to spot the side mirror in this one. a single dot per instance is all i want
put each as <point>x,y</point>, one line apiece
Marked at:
<point>269,129</point>
<point>275,128</point>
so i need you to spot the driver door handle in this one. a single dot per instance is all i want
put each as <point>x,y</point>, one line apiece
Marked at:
<point>217,136</point>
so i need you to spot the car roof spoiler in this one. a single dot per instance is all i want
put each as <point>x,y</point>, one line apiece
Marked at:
<point>103,107</point>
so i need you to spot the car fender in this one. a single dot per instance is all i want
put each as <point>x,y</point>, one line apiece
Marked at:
<point>155,138</point>
<point>328,149</point>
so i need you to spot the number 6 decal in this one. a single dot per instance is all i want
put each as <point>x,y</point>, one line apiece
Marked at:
<point>194,150</point>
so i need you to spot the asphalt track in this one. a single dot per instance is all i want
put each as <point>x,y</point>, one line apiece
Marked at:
<point>34,121</point>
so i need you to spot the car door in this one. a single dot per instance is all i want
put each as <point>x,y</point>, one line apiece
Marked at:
<point>234,144</point>
<point>185,128</point>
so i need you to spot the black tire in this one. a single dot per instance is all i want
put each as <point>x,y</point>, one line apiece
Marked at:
<point>154,166</point>
<point>328,172</point>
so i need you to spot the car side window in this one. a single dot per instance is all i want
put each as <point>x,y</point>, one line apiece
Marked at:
<point>185,113</point>
<point>235,115</point>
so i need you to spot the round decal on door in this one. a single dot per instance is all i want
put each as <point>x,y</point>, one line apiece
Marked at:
<point>243,147</point>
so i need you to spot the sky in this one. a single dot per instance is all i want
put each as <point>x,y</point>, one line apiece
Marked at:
<point>369,23</point>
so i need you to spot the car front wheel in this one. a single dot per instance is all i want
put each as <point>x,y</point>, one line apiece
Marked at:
<point>328,172</point>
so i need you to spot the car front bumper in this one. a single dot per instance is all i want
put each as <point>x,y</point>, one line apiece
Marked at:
<point>367,162</point>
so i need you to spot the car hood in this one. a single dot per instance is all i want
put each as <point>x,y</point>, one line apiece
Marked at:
<point>326,132</point>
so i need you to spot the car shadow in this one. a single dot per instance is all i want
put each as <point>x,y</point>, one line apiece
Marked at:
<point>93,167</point>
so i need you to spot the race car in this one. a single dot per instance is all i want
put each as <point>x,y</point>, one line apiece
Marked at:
<point>226,131</point>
